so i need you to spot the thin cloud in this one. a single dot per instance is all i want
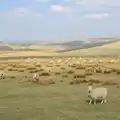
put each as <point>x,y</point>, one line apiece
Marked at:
<point>21,12</point>
<point>96,16</point>
<point>97,4</point>
<point>57,8</point>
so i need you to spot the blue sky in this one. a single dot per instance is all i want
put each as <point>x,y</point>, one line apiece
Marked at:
<point>29,20</point>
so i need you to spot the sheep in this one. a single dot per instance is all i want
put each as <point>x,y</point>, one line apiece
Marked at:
<point>80,58</point>
<point>100,61</point>
<point>28,60</point>
<point>36,77</point>
<point>99,93</point>
<point>2,75</point>
<point>51,61</point>
<point>66,61</point>
<point>69,58</point>
<point>59,61</point>
<point>53,58</point>
<point>73,58</point>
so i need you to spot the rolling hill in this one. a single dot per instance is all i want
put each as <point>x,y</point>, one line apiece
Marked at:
<point>5,47</point>
<point>90,44</point>
<point>115,45</point>
<point>107,49</point>
<point>61,46</point>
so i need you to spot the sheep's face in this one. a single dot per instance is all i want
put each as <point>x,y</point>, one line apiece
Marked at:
<point>89,89</point>
<point>1,74</point>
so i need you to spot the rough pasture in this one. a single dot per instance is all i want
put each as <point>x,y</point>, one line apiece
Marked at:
<point>61,91</point>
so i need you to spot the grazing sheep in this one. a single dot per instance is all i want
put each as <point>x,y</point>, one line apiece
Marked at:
<point>2,75</point>
<point>99,93</point>
<point>59,61</point>
<point>51,61</point>
<point>36,77</point>
<point>28,60</point>
<point>66,61</point>
<point>53,58</point>
<point>68,58</point>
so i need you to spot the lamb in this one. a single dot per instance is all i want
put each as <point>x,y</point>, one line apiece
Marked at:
<point>99,93</point>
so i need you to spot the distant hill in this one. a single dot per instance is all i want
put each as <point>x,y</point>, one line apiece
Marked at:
<point>76,45</point>
<point>5,48</point>
<point>115,45</point>
<point>105,49</point>
<point>61,46</point>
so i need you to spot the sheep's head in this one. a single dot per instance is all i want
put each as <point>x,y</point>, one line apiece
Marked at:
<point>89,88</point>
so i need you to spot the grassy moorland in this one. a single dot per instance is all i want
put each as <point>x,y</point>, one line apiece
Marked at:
<point>65,98</point>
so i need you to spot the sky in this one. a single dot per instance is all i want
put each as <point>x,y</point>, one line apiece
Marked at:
<point>50,20</point>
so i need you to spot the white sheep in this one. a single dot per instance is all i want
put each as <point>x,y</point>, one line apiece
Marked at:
<point>99,93</point>
<point>28,60</point>
<point>66,61</point>
<point>59,61</point>
<point>36,76</point>
<point>68,58</point>
<point>2,75</point>
<point>51,61</point>
<point>53,58</point>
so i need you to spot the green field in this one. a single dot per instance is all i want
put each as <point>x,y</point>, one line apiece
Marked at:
<point>57,102</point>
<point>20,100</point>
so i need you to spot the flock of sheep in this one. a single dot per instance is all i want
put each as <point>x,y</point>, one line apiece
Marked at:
<point>94,94</point>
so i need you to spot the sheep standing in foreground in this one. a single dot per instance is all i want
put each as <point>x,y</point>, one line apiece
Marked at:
<point>99,93</point>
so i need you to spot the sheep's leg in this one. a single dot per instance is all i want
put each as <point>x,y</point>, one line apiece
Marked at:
<point>94,102</point>
<point>102,101</point>
<point>90,101</point>
<point>105,101</point>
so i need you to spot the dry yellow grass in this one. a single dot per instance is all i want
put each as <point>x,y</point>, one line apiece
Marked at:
<point>115,45</point>
<point>47,48</point>
<point>26,53</point>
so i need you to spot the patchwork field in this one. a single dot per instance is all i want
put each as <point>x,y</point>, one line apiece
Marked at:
<point>61,91</point>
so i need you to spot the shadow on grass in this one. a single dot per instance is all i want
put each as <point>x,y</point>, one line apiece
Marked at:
<point>97,101</point>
